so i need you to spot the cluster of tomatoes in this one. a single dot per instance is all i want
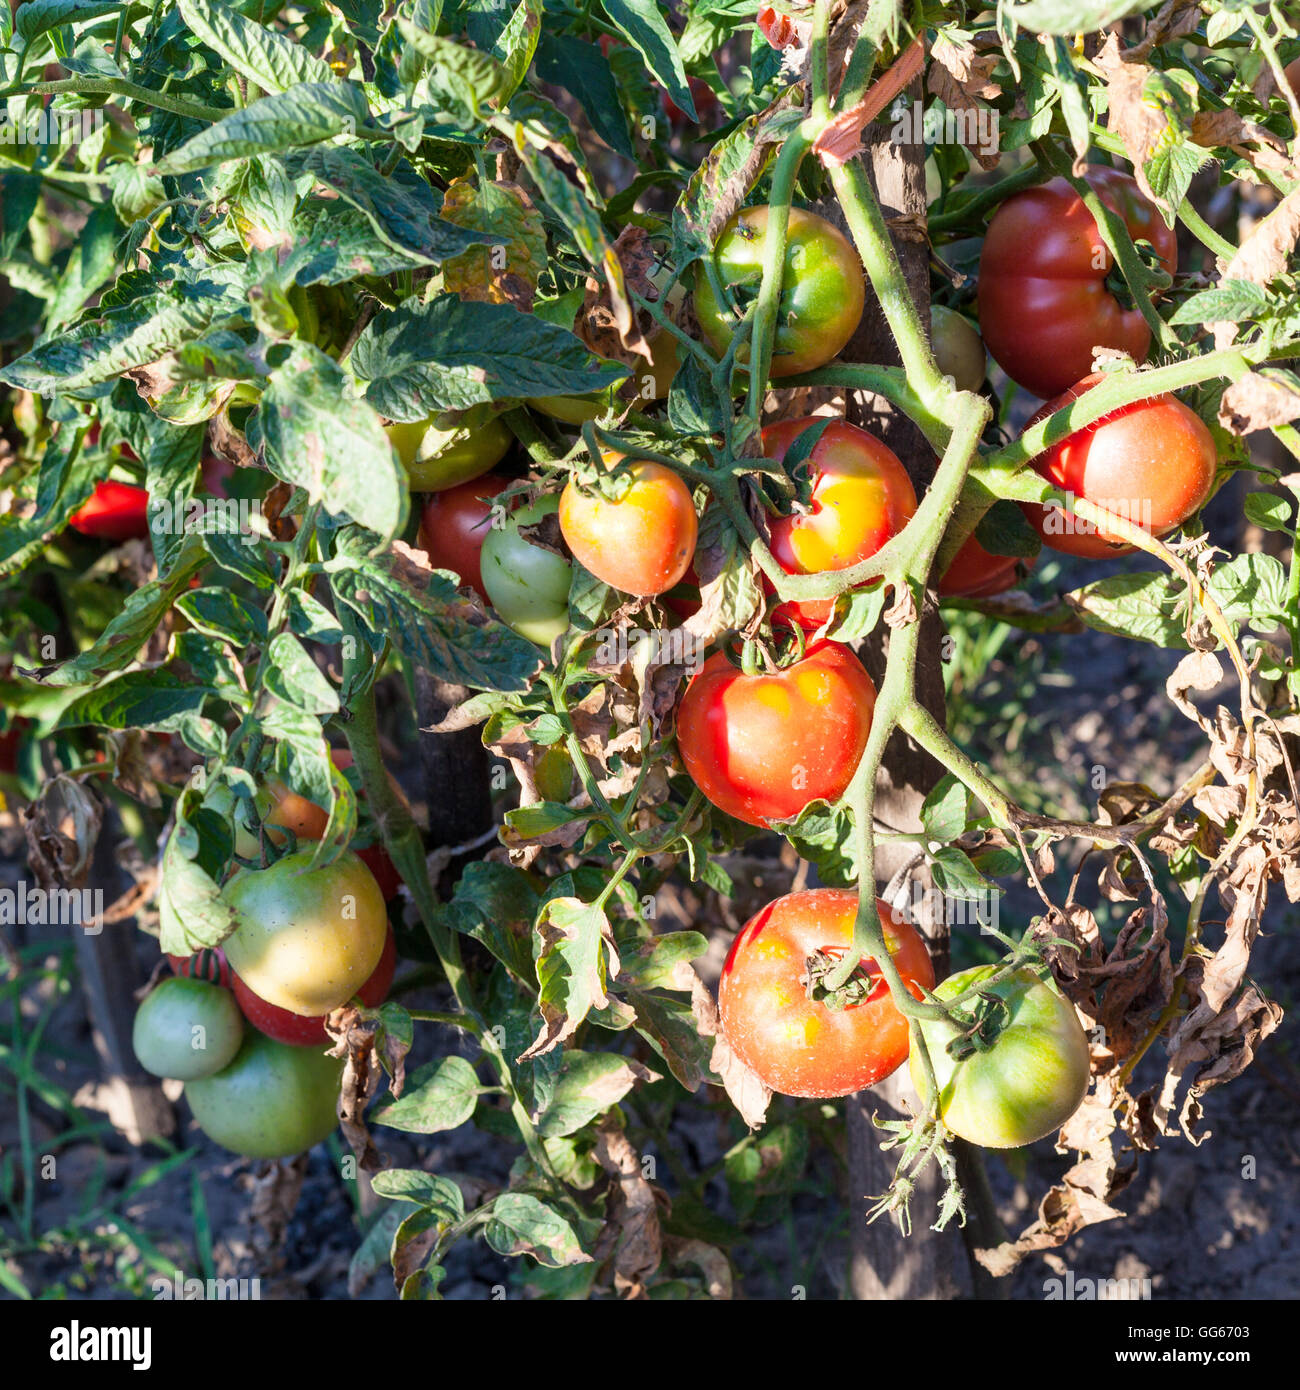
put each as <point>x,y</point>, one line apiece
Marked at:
<point>243,1025</point>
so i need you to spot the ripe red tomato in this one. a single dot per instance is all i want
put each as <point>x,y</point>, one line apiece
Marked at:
<point>796,1045</point>
<point>1152,463</point>
<point>454,524</point>
<point>9,745</point>
<point>641,543</point>
<point>113,512</point>
<point>302,1031</point>
<point>822,289</point>
<point>208,964</point>
<point>861,497</point>
<point>1026,1082</point>
<point>762,747</point>
<point>1043,301</point>
<point>1292,74</point>
<point>977,573</point>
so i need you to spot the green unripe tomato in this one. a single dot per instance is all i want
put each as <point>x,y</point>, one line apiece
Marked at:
<point>272,1101</point>
<point>1027,1083</point>
<point>187,1029</point>
<point>438,456</point>
<point>527,585</point>
<point>308,939</point>
<point>958,348</point>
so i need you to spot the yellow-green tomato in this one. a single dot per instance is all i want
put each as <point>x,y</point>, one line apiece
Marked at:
<point>438,456</point>
<point>1022,1086</point>
<point>186,1029</point>
<point>575,410</point>
<point>527,584</point>
<point>272,1101</point>
<point>958,348</point>
<point>307,939</point>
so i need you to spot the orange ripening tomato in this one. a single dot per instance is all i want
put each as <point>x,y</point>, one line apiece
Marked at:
<point>1043,300</point>
<point>799,1046</point>
<point>1152,463</point>
<point>861,497</point>
<point>644,542</point>
<point>761,747</point>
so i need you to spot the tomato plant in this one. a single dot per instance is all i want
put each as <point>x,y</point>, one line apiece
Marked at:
<point>271,1101</point>
<point>822,291</point>
<point>1018,1071</point>
<point>762,745</point>
<point>861,497</point>
<point>639,538</point>
<point>307,938</point>
<point>794,1041</point>
<point>307,275</point>
<point>1151,463</point>
<point>1044,300</point>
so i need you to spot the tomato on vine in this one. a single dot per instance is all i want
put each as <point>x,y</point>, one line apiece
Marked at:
<point>307,938</point>
<point>528,584</point>
<point>304,1030</point>
<point>640,538</point>
<point>861,498</point>
<point>1044,300</point>
<point>1151,463</point>
<point>978,573</point>
<point>1016,1078</point>
<point>761,746</point>
<point>186,1028</point>
<point>271,1101</point>
<point>441,452</point>
<point>822,292</point>
<point>779,1023</point>
<point>958,348</point>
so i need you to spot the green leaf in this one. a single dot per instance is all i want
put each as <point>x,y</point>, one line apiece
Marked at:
<point>522,1224</point>
<point>1233,301</point>
<point>517,43</point>
<point>424,1189</point>
<point>644,25</point>
<point>584,71</point>
<point>329,444</point>
<point>663,962</point>
<point>105,345</point>
<point>434,628</point>
<point>1270,512</point>
<point>292,675</point>
<point>450,354</point>
<point>304,114</point>
<point>223,614</point>
<point>669,1026</point>
<point>944,813</point>
<point>37,17</point>
<point>587,1085</point>
<point>270,59</point>
<point>572,968</point>
<point>437,1097</point>
<point>1067,17</point>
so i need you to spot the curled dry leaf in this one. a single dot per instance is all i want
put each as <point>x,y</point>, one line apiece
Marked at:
<point>363,1078</point>
<point>1260,401</point>
<point>609,323</point>
<point>632,1237</point>
<point>62,827</point>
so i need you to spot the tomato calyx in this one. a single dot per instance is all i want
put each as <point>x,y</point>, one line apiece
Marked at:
<point>857,989</point>
<point>982,1025</point>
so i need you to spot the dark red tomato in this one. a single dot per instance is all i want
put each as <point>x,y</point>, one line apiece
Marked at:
<point>207,964</point>
<point>706,105</point>
<point>1152,463</point>
<point>683,598</point>
<point>9,745</point>
<point>1043,301</point>
<point>1292,74</point>
<point>762,747</point>
<point>977,573</point>
<point>454,524</point>
<point>797,1045</point>
<point>113,512</point>
<point>861,497</point>
<point>301,1030</point>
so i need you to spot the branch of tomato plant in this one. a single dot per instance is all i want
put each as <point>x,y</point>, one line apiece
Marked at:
<point>119,87</point>
<point>402,841</point>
